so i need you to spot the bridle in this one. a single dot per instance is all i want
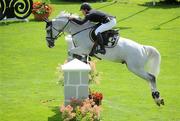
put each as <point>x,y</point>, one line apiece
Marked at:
<point>60,32</point>
<point>51,39</point>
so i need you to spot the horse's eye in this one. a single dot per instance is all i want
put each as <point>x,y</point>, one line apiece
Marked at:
<point>47,25</point>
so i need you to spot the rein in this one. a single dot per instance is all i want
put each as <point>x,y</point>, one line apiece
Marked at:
<point>82,30</point>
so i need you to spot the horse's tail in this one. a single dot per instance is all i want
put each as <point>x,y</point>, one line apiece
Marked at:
<point>154,60</point>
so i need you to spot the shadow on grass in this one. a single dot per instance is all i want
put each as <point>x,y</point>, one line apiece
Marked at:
<point>160,5</point>
<point>56,116</point>
<point>71,1</point>
<point>109,4</point>
<point>122,28</point>
<point>33,20</point>
<point>6,23</point>
<point>132,15</point>
<point>158,27</point>
<point>63,2</point>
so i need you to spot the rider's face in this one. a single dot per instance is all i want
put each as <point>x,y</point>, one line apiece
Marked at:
<point>83,12</point>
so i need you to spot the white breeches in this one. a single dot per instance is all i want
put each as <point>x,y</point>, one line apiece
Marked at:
<point>106,26</point>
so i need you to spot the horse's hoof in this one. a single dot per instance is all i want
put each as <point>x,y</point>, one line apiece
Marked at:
<point>162,101</point>
<point>159,102</point>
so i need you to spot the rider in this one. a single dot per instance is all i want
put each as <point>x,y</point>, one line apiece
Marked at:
<point>106,22</point>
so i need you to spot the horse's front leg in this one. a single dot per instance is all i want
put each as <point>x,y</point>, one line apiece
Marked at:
<point>79,53</point>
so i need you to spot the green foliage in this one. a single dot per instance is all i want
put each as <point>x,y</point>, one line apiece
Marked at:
<point>88,117</point>
<point>78,115</point>
<point>94,77</point>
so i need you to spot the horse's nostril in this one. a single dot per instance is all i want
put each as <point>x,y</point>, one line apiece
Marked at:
<point>51,45</point>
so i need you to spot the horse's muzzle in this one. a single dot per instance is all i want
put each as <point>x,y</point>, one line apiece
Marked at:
<point>50,44</point>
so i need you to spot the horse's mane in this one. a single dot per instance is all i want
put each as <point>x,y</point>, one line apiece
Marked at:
<point>67,14</point>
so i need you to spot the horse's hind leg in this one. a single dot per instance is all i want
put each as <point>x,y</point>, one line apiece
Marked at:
<point>151,79</point>
<point>155,93</point>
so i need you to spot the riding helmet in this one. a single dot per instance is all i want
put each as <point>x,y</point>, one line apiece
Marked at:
<point>85,6</point>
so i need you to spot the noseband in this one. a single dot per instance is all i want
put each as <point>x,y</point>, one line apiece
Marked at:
<point>59,31</point>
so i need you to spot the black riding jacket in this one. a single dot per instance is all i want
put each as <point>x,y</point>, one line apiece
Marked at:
<point>93,16</point>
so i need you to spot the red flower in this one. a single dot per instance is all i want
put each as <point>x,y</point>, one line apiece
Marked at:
<point>41,8</point>
<point>97,96</point>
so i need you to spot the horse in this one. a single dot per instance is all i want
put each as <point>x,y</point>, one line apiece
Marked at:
<point>142,60</point>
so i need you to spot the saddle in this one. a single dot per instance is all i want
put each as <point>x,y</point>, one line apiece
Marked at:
<point>110,37</point>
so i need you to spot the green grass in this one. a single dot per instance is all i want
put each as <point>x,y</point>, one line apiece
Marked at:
<point>28,78</point>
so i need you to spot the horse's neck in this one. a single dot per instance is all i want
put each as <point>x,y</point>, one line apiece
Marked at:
<point>76,28</point>
<point>81,37</point>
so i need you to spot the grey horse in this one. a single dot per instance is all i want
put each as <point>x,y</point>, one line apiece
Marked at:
<point>143,61</point>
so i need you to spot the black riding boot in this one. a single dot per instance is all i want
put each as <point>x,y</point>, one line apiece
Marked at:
<point>101,43</point>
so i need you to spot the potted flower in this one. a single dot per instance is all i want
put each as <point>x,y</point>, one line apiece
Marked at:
<point>41,10</point>
<point>97,97</point>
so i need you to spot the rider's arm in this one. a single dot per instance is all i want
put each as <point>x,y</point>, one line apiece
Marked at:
<point>80,22</point>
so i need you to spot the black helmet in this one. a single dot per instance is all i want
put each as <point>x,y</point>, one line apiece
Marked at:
<point>85,6</point>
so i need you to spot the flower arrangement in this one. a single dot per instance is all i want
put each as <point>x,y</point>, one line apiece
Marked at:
<point>41,10</point>
<point>85,110</point>
<point>97,97</point>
